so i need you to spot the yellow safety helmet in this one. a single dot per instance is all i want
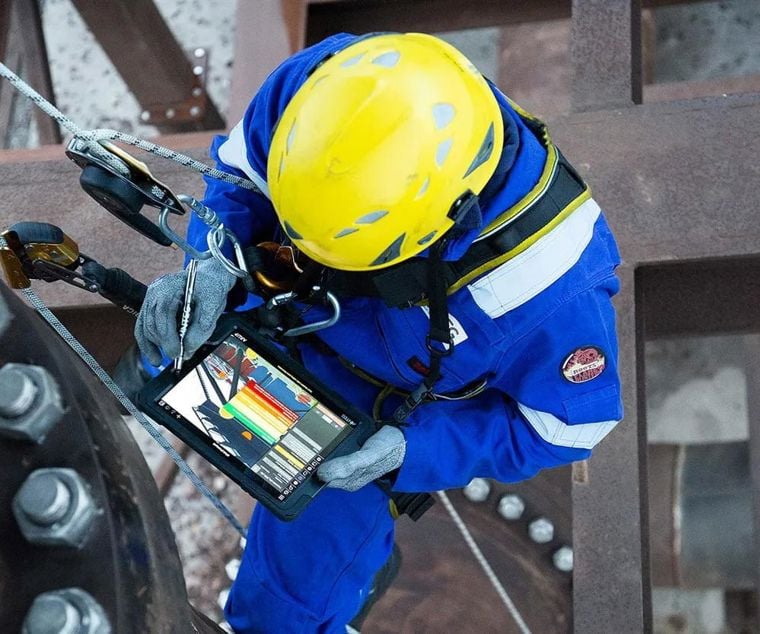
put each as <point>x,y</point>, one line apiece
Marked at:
<point>376,148</point>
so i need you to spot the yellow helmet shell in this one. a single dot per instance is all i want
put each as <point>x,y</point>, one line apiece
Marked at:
<point>377,145</point>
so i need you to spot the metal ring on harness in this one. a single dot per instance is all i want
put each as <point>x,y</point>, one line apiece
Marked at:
<point>285,298</point>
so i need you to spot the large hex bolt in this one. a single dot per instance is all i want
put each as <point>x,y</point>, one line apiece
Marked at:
<point>511,507</point>
<point>477,490</point>
<point>54,507</point>
<point>541,530</point>
<point>563,559</point>
<point>30,402</point>
<point>67,611</point>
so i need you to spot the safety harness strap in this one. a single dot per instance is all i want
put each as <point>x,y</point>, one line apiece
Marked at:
<point>407,284</point>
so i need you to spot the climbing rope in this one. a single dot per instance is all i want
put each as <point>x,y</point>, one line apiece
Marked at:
<point>114,135</point>
<point>481,559</point>
<point>98,135</point>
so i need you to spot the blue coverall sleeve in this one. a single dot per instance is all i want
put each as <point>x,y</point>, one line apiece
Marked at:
<point>533,416</point>
<point>247,213</point>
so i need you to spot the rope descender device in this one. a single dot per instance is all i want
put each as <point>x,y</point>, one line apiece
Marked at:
<point>123,185</point>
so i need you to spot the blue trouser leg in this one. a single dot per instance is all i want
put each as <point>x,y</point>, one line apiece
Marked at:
<point>311,575</point>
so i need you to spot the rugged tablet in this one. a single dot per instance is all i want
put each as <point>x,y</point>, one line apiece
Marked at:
<point>257,415</point>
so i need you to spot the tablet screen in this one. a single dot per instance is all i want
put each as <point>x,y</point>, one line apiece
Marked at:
<point>252,410</point>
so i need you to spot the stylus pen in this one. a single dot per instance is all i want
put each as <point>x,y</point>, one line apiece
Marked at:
<point>186,309</point>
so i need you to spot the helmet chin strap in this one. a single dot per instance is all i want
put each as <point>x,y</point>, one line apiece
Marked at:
<point>438,341</point>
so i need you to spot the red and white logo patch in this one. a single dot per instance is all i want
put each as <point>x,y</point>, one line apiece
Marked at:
<point>584,364</point>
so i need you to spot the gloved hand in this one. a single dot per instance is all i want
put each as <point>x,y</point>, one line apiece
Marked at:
<point>383,452</point>
<point>157,325</point>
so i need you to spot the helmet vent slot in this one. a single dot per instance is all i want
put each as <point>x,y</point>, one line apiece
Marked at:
<point>486,148</point>
<point>427,238</point>
<point>369,218</point>
<point>442,153</point>
<point>291,138</point>
<point>423,188</point>
<point>345,232</point>
<point>292,233</point>
<point>389,59</point>
<point>352,60</point>
<point>391,253</point>
<point>443,114</point>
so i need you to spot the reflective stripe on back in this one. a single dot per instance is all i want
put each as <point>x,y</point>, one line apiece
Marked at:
<point>535,269</point>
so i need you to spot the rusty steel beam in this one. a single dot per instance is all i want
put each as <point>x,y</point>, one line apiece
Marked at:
<point>266,32</point>
<point>11,57</point>
<point>606,54</point>
<point>752,367</point>
<point>5,21</point>
<point>326,17</point>
<point>144,50</point>
<point>611,588</point>
<point>36,66</point>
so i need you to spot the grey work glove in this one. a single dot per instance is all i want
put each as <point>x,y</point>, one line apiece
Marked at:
<point>382,453</point>
<point>157,325</point>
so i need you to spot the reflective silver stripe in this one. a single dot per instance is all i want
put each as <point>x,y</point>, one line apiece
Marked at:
<point>556,432</point>
<point>233,153</point>
<point>541,264</point>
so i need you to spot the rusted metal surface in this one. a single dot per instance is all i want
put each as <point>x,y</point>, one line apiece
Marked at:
<point>5,21</point>
<point>665,532</point>
<point>128,560</point>
<point>36,67</point>
<point>752,367</point>
<point>441,588</point>
<point>143,49</point>
<point>44,186</point>
<point>266,32</point>
<point>326,17</point>
<point>10,54</point>
<point>701,516</point>
<point>606,53</point>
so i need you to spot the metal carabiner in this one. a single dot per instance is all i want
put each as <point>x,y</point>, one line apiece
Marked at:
<point>285,298</point>
<point>179,240</point>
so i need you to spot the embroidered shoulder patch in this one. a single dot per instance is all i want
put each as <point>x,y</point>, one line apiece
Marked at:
<point>584,364</point>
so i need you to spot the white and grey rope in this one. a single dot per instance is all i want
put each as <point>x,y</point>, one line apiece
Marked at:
<point>114,135</point>
<point>481,559</point>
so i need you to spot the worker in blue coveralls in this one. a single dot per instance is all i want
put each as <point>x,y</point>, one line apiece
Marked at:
<point>392,162</point>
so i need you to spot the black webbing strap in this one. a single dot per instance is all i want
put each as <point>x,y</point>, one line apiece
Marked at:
<point>406,283</point>
<point>438,340</point>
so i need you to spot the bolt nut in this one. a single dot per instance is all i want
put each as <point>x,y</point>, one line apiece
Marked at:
<point>170,112</point>
<point>477,490</point>
<point>68,611</point>
<point>30,402</point>
<point>563,559</point>
<point>198,70</point>
<point>541,530</point>
<point>511,507</point>
<point>199,52</point>
<point>145,115</point>
<point>197,91</point>
<point>54,507</point>
<point>195,111</point>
